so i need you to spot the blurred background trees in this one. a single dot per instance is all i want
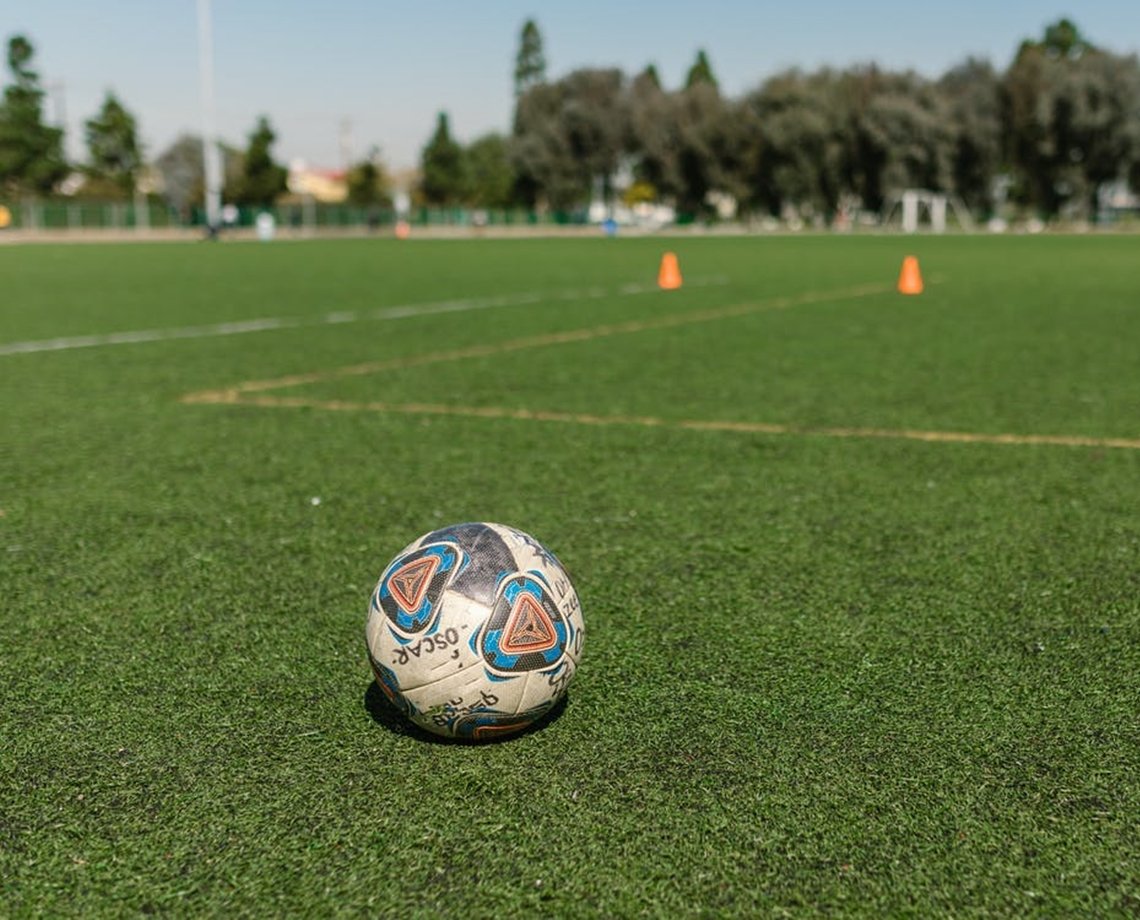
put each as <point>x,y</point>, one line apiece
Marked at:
<point>113,147</point>
<point>1070,120</point>
<point>368,182</point>
<point>443,166</point>
<point>262,179</point>
<point>31,151</point>
<point>530,62</point>
<point>1052,134</point>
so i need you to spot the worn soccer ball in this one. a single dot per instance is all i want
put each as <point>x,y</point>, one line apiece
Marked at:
<point>474,631</point>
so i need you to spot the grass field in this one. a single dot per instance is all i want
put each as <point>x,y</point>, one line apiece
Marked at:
<point>861,575</point>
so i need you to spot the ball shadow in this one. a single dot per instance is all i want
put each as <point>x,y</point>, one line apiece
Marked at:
<point>382,711</point>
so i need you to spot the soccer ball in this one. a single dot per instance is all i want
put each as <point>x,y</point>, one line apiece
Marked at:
<point>474,631</point>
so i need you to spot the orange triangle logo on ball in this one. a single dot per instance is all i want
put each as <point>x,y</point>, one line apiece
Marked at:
<point>529,628</point>
<point>409,583</point>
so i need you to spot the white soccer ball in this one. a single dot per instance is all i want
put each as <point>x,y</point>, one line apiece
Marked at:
<point>474,631</point>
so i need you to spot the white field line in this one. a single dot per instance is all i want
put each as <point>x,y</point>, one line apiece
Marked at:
<point>234,394</point>
<point>403,311</point>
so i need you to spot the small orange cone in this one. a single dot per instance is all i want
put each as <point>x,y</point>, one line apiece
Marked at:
<point>669,277</point>
<point>910,278</point>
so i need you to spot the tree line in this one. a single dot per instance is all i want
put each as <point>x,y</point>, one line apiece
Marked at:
<point>1046,135</point>
<point>33,161</point>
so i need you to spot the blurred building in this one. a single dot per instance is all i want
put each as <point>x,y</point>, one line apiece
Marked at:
<point>329,186</point>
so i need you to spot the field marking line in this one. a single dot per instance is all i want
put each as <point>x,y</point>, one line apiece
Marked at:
<point>336,317</point>
<point>234,393</point>
<point>257,392</point>
<point>580,418</point>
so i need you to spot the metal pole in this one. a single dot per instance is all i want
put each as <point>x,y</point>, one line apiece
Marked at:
<point>211,157</point>
<point>345,143</point>
<point>142,211</point>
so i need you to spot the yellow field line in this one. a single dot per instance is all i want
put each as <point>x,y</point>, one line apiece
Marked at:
<point>234,393</point>
<point>254,392</point>
<point>912,434</point>
<point>579,418</point>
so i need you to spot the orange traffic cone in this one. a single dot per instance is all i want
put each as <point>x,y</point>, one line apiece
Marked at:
<point>669,277</point>
<point>910,278</point>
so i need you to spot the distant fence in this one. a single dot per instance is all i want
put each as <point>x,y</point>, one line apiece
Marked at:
<point>56,214</point>
<point>312,214</point>
<point>62,214</point>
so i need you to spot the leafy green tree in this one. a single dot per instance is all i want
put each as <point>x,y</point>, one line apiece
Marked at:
<point>710,146</point>
<point>799,149</point>
<point>594,122</point>
<point>182,172</point>
<point>1025,134</point>
<point>651,140</point>
<point>368,183</point>
<point>701,72</point>
<point>896,134</point>
<point>31,152</point>
<point>112,141</point>
<point>262,180</point>
<point>971,93</point>
<point>568,135</point>
<point>530,62</point>
<point>1095,124</point>
<point>491,177</point>
<point>443,166</point>
<point>905,127</point>
<point>547,173</point>
<point>689,145</point>
<point>1072,120</point>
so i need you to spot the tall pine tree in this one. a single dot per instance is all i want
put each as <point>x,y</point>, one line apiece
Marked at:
<point>31,152</point>
<point>262,180</point>
<point>701,72</point>
<point>530,62</point>
<point>112,141</point>
<point>443,165</point>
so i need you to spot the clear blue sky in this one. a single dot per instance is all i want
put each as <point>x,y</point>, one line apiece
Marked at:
<point>387,68</point>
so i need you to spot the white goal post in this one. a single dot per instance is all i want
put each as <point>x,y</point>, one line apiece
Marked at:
<point>913,203</point>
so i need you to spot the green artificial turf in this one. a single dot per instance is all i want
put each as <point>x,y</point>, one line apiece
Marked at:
<point>823,675</point>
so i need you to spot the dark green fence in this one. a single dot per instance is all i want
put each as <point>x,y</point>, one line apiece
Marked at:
<point>64,214</point>
<point>56,214</point>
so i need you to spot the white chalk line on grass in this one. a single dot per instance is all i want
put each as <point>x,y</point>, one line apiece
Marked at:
<point>234,394</point>
<point>403,311</point>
